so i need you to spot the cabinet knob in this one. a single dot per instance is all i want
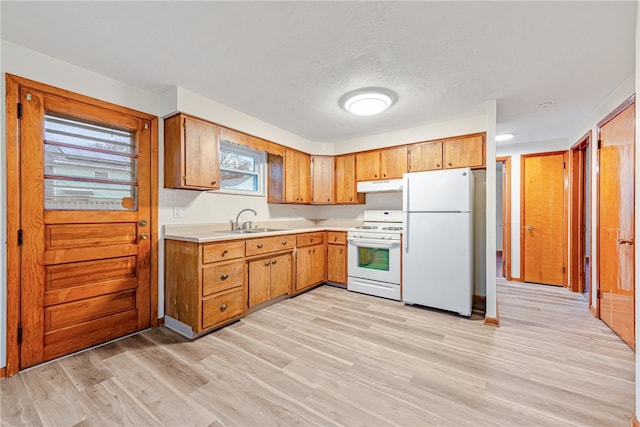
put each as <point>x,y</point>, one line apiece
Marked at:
<point>335,239</point>
<point>224,252</point>
<point>266,263</point>
<point>223,307</point>
<point>275,261</point>
<point>351,199</point>
<point>224,276</point>
<point>214,182</point>
<point>384,175</point>
<point>450,164</point>
<point>437,165</point>
<point>375,175</point>
<point>312,240</point>
<point>284,242</point>
<point>259,245</point>
<point>340,250</point>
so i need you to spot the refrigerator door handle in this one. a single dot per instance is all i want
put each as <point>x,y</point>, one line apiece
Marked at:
<point>405,235</point>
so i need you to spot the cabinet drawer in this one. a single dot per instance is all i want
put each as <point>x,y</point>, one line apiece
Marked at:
<point>337,237</point>
<point>309,239</point>
<point>222,307</point>
<point>269,244</point>
<point>222,276</point>
<point>222,252</point>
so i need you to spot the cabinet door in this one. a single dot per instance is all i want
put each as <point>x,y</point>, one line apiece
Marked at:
<point>319,264</point>
<point>201,154</point>
<point>345,178</point>
<point>463,152</point>
<point>304,267</point>
<point>368,166</point>
<point>337,264</point>
<point>393,162</point>
<point>425,156</point>
<point>259,281</point>
<point>322,178</point>
<point>281,268</point>
<point>297,177</point>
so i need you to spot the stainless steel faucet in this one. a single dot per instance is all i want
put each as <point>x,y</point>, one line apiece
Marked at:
<point>245,223</point>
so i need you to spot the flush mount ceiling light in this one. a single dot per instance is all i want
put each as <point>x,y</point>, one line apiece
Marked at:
<point>367,102</point>
<point>504,137</point>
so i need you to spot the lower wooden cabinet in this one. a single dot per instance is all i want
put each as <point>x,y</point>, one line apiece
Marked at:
<point>337,257</point>
<point>269,278</point>
<point>202,292</point>
<point>311,260</point>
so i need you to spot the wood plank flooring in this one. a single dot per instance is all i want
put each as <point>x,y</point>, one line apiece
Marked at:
<point>331,357</point>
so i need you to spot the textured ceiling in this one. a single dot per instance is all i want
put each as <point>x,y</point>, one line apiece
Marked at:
<point>288,63</point>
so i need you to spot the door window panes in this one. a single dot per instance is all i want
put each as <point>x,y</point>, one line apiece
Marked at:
<point>88,166</point>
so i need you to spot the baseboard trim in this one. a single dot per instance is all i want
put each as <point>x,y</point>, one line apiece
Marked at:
<point>515,279</point>
<point>634,422</point>
<point>493,321</point>
<point>160,321</point>
<point>593,310</point>
<point>3,372</point>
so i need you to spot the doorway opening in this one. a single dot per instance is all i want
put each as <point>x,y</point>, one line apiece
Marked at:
<point>503,214</point>
<point>580,225</point>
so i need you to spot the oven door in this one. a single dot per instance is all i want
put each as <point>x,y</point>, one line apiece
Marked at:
<point>374,259</point>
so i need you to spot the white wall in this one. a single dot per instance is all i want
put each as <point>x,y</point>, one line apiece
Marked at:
<point>637,218</point>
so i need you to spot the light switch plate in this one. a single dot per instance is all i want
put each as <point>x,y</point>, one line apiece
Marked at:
<point>177,212</point>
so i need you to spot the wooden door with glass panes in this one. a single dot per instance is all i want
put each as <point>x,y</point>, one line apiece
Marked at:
<point>85,188</point>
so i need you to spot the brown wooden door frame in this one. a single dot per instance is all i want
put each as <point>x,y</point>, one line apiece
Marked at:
<point>506,215</point>
<point>13,153</point>
<point>564,215</point>
<point>626,103</point>
<point>580,205</point>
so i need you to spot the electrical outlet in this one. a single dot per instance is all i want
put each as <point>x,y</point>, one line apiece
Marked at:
<point>177,212</point>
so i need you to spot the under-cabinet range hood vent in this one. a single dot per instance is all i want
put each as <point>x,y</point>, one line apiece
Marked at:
<point>383,186</point>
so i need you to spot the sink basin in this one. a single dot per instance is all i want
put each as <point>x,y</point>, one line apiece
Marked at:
<point>258,230</point>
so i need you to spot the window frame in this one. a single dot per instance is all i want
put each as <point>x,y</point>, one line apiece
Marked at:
<point>260,159</point>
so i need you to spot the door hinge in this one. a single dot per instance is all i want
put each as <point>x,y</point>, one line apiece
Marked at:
<point>599,144</point>
<point>19,333</point>
<point>564,165</point>
<point>563,269</point>
<point>20,237</point>
<point>184,123</point>
<point>19,110</point>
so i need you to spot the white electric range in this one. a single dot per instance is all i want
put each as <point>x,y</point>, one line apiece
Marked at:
<point>374,266</point>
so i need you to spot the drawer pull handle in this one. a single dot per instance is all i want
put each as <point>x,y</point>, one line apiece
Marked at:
<point>259,245</point>
<point>275,261</point>
<point>335,239</point>
<point>284,242</point>
<point>224,276</point>
<point>225,252</point>
<point>437,165</point>
<point>223,307</point>
<point>312,240</point>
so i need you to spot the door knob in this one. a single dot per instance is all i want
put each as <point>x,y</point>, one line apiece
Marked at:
<point>274,261</point>
<point>224,277</point>
<point>529,227</point>
<point>144,236</point>
<point>625,241</point>
<point>142,223</point>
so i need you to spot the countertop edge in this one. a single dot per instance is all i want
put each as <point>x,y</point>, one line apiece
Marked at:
<point>221,236</point>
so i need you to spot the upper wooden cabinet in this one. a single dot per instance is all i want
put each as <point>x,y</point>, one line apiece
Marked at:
<point>322,179</point>
<point>191,153</point>
<point>345,179</point>
<point>466,151</point>
<point>381,164</point>
<point>297,177</point>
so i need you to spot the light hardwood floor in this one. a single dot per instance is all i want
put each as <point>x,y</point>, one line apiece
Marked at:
<point>332,357</point>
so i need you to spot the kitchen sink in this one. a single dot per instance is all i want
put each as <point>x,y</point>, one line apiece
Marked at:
<point>259,230</point>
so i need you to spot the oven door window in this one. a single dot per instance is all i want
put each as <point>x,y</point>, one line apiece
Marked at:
<point>373,258</point>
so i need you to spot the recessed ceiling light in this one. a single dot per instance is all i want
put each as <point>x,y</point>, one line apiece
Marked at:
<point>504,137</point>
<point>367,102</point>
<point>545,105</point>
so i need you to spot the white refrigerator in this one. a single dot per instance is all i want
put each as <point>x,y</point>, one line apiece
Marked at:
<point>437,265</point>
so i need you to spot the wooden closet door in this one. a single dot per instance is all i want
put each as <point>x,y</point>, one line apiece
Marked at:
<point>616,225</point>
<point>543,228</point>
<point>86,206</point>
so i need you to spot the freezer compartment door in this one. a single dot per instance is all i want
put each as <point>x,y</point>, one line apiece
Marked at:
<point>438,261</point>
<point>438,191</point>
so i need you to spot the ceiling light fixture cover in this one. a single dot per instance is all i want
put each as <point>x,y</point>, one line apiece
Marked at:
<point>367,102</point>
<point>504,137</point>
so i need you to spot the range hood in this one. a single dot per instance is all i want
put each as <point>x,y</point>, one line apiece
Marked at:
<point>383,186</point>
